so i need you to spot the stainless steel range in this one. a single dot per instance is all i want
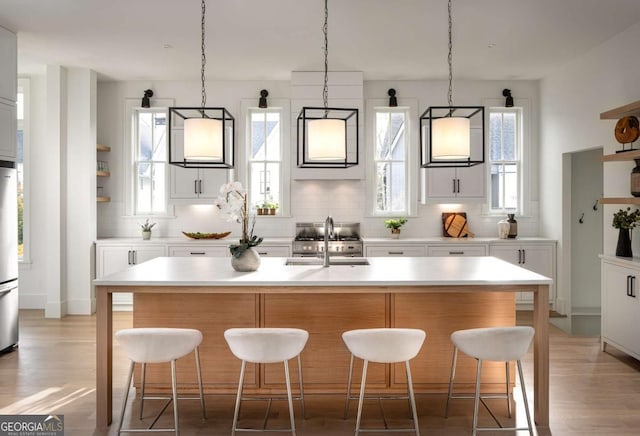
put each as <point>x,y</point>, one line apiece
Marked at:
<point>309,240</point>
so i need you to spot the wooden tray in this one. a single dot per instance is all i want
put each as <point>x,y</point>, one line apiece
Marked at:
<point>198,235</point>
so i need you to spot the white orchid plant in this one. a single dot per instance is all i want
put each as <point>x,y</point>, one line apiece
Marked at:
<point>232,203</point>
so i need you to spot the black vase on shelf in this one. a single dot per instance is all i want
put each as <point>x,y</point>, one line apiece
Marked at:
<point>513,225</point>
<point>623,249</point>
<point>635,179</point>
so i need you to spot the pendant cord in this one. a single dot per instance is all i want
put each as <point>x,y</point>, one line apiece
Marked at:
<point>203,58</point>
<point>450,57</point>
<point>325,30</point>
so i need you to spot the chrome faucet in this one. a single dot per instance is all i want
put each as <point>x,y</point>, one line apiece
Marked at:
<point>328,233</point>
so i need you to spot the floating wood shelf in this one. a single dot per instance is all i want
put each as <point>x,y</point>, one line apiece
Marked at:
<point>103,173</point>
<point>622,156</point>
<point>101,147</point>
<point>622,111</point>
<point>620,200</point>
<point>103,199</point>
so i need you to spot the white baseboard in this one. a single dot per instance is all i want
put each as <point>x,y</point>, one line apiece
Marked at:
<point>32,301</point>
<point>79,307</point>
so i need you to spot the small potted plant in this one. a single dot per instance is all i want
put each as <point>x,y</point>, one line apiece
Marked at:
<point>273,207</point>
<point>625,221</point>
<point>146,229</point>
<point>394,224</point>
<point>259,209</point>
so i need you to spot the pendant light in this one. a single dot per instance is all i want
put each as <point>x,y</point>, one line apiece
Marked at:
<point>327,137</point>
<point>449,133</point>
<point>201,137</point>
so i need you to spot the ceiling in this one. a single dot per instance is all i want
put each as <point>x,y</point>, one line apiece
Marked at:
<point>267,39</point>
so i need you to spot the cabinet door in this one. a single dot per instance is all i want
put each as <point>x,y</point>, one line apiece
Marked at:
<point>7,131</point>
<point>396,250</point>
<point>199,251</point>
<point>539,259</point>
<point>142,253</point>
<point>441,182</point>
<point>512,254</point>
<point>274,250</point>
<point>620,312</point>
<point>457,250</point>
<point>8,66</point>
<point>210,182</point>
<point>470,181</point>
<point>184,183</point>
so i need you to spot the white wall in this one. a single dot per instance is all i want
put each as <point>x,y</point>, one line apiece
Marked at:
<point>571,99</point>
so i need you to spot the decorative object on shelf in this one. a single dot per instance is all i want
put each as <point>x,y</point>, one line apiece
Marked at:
<point>627,131</point>
<point>232,202</point>
<point>503,228</point>
<point>199,235</point>
<point>513,226</point>
<point>634,184</point>
<point>262,102</point>
<point>448,133</point>
<point>394,224</point>
<point>624,220</point>
<point>393,101</point>
<point>273,207</point>
<point>455,225</point>
<point>327,137</point>
<point>146,229</point>
<point>509,99</point>
<point>201,137</point>
<point>146,103</point>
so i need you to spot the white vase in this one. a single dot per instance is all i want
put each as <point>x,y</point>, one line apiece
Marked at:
<point>249,260</point>
<point>146,235</point>
<point>503,229</point>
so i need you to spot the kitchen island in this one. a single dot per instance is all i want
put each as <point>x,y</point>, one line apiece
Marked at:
<point>440,295</point>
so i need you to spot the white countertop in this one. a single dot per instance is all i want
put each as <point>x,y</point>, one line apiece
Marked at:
<point>382,271</point>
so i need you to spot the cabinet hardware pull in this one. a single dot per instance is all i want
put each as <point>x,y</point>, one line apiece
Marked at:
<point>129,262</point>
<point>519,257</point>
<point>263,253</point>
<point>632,287</point>
<point>135,257</point>
<point>395,252</point>
<point>454,185</point>
<point>628,280</point>
<point>195,186</point>
<point>458,188</point>
<point>200,186</point>
<point>524,256</point>
<point>199,253</point>
<point>456,252</point>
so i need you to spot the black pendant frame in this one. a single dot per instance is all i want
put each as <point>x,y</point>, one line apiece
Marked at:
<point>177,115</point>
<point>351,146</point>
<point>476,117</point>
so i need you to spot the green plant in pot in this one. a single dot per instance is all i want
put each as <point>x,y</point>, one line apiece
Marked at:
<point>146,229</point>
<point>273,207</point>
<point>625,221</point>
<point>394,224</point>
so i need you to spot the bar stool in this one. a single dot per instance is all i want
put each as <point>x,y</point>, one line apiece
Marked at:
<point>158,345</point>
<point>267,345</point>
<point>383,345</point>
<point>501,344</point>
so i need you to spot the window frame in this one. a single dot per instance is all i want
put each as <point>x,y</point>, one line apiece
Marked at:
<point>409,108</point>
<point>24,86</point>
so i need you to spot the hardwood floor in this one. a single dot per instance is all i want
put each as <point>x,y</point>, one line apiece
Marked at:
<point>53,371</point>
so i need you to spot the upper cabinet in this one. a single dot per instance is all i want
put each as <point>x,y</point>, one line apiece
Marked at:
<point>465,183</point>
<point>614,114</point>
<point>195,186</point>
<point>8,66</point>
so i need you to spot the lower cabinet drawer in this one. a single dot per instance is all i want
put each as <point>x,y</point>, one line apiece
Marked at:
<point>200,251</point>
<point>398,250</point>
<point>458,250</point>
<point>273,250</point>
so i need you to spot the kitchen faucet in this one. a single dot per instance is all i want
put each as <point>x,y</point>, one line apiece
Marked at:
<point>328,233</point>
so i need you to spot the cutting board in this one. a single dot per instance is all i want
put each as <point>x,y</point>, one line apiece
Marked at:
<point>455,225</point>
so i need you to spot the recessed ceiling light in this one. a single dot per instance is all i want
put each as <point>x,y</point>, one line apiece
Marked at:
<point>167,46</point>
<point>491,45</point>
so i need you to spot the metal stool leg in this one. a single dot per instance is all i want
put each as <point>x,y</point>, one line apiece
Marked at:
<point>508,383</point>
<point>412,399</point>
<point>144,374</point>
<point>126,394</point>
<point>346,403</point>
<point>476,401</point>
<point>524,397</point>
<point>304,412</point>
<point>238,399</point>
<point>454,361</point>
<point>290,400</point>
<point>361,400</point>
<point>174,390</point>
<point>199,374</point>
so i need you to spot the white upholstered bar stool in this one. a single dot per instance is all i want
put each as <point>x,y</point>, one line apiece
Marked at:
<point>267,345</point>
<point>159,345</point>
<point>383,345</point>
<point>498,344</point>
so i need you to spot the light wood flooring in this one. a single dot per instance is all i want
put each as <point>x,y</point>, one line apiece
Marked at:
<point>53,371</point>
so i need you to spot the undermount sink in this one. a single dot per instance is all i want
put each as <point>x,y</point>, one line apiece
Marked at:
<point>349,261</point>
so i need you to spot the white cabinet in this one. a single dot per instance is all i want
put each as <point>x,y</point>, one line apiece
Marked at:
<point>8,66</point>
<point>620,306</point>
<point>198,250</point>
<point>114,258</point>
<point>395,250</point>
<point>193,186</point>
<point>457,250</point>
<point>539,258</point>
<point>273,250</point>
<point>7,131</point>
<point>459,183</point>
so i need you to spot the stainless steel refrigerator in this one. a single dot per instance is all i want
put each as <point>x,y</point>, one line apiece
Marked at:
<point>8,255</point>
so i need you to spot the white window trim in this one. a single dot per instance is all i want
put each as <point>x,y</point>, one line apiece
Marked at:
<point>284,107</point>
<point>132,105</point>
<point>410,106</point>
<point>24,84</point>
<point>526,155</point>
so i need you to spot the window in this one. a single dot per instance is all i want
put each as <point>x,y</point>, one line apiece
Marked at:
<point>505,157</point>
<point>21,166</point>
<point>149,161</point>
<point>390,161</point>
<point>265,152</point>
